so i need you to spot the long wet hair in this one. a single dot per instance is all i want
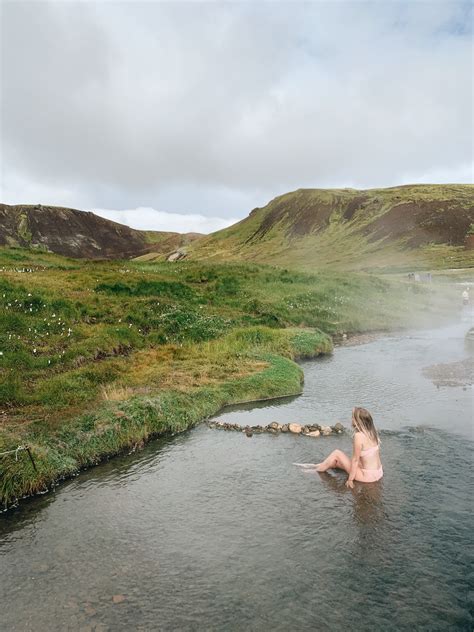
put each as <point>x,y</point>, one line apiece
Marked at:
<point>363,422</point>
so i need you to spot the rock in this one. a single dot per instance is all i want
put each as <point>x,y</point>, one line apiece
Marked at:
<point>313,433</point>
<point>89,609</point>
<point>176,256</point>
<point>273,428</point>
<point>118,598</point>
<point>326,430</point>
<point>338,427</point>
<point>284,428</point>
<point>295,428</point>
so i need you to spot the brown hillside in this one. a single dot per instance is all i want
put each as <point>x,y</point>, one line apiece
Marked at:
<point>79,234</point>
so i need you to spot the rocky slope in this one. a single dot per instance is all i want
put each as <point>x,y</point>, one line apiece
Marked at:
<point>403,226</point>
<point>80,234</point>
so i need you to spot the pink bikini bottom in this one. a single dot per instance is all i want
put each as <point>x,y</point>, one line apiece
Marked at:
<point>369,476</point>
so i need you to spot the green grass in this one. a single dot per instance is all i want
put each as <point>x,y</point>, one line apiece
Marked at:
<point>264,369</point>
<point>98,356</point>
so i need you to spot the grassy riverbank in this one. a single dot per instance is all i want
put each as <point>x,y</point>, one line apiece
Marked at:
<point>97,357</point>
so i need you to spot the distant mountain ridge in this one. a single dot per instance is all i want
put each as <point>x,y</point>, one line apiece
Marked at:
<point>407,226</point>
<point>81,234</point>
<point>350,228</point>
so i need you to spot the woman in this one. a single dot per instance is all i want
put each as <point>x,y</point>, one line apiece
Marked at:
<point>365,465</point>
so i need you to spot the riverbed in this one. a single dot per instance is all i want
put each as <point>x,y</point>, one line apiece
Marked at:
<point>211,530</point>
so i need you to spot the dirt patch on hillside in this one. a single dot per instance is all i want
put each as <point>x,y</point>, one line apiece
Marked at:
<point>301,215</point>
<point>424,222</point>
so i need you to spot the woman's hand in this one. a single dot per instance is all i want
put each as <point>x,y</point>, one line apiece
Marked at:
<point>350,484</point>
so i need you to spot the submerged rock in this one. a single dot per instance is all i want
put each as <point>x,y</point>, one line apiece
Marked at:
<point>338,427</point>
<point>326,430</point>
<point>313,433</point>
<point>284,428</point>
<point>460,373</point>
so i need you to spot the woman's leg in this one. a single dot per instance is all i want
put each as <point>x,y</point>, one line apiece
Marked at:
<point>337,459</point>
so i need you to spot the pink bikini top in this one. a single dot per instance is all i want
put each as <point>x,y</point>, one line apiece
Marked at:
<point>369,451</point>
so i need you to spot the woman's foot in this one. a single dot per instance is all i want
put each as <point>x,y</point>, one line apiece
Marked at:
<point>306,466</point>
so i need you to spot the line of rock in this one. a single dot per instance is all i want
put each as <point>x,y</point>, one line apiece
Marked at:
<point>313,430</point>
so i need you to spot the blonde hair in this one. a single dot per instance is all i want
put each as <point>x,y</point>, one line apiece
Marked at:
<point>363,422</point>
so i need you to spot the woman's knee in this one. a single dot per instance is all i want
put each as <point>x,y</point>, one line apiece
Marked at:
<point>340,459</point>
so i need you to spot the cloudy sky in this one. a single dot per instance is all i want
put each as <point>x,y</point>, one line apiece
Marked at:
<point>186,115</point>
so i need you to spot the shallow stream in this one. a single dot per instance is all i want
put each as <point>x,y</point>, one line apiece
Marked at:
<point>211,530</point>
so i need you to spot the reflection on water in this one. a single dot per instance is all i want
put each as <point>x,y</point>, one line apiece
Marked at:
<point>368,510</point>
<point>213,530</point>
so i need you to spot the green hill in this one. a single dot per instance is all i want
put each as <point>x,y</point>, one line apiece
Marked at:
<point>422,226</point>
<point>81,234</point>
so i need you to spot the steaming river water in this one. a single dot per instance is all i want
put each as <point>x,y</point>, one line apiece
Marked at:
<point>211,530</point>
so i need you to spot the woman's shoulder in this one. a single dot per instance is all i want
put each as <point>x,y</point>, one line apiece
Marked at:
<point>359,437</point>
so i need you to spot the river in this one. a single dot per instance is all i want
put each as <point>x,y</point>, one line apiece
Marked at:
<point>211,530</point>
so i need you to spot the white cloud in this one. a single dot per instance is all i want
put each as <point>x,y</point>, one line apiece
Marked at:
<point>214,108</point>
<point>151,219</point>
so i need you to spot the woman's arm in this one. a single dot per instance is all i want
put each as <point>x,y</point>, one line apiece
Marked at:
<point>356,448</point>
